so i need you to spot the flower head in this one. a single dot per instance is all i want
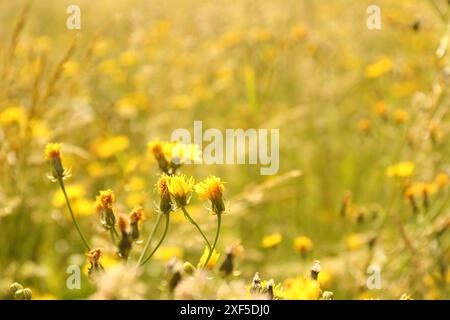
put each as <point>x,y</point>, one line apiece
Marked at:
<point>303,244</point>
<point>136,216</point>
<point>180,187</point>
<point>212,189</point>
<point>162,187</point>
<point>271,240</point>
<point>105,200</point>
<point>93,257</point>
<point>53,151</point>
<point>401,170</point>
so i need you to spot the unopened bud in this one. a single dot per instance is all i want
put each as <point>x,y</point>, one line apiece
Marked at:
<point>23,294</point>
<point>15,287</point>
<point>315,270</point>
<point>188,268</point>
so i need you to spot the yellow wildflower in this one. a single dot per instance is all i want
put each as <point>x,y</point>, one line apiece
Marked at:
<point>401,170</point>
<point>379,68</point>
<point>301,288</point>
<point>303,244</point>
<point>354,242</point>
<point>442,180</point>
<point>212,261</point>
<point>401,115</point>
<point>212,189</point>
<point>105,200</point>
<point>180,188</point>
<point>12,115</point>
<point>167,253</point>
<point>271,240</point>
<point>53,151</point>
<point>364,125</point>
<point>108,147</point>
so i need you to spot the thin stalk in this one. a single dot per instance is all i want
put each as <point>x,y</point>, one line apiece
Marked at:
<point>61,184</point>
<point>150,238</point>
<point>219,222</point>
<point>186,214</point>
<point>166,227</point>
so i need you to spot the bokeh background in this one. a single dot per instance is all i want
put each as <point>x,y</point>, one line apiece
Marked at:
<point>349,102</point>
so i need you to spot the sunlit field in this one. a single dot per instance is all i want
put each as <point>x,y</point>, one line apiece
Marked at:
<point>98,202</point>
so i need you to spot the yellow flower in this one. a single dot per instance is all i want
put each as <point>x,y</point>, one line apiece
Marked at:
<point>128,58</point>
<point>301,288</point>
<point>442,180</point>
<point>162,151</point>
<point>325,279</point>
<point>53,151</point>
<point>400,116</point>
<point>136,215</point>
<point>180,187</point>
<point>364,125</point>
<point>105,148</point>
<point>381,108</point>
<point>71,68</point>
<point>212,189</point>
<point>354,242</point>
<point>167,253</point>
<point>403,169</point>
<point>303,244</point>
<point>271,240</point>
<point>105,200</point>
<point>379,68</point>
<point>13,115</point>
<point>298,32</point>
<point>212,261</point>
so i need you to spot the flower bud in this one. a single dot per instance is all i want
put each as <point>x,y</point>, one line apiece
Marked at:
<point>23,294</point>
<point>315,270</point>
<point>15,287</point>
<point>188,268</point>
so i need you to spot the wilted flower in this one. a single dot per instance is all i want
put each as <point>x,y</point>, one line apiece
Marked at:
<point>125,243</point>
<point>136,216</point>
<point>162,186</point>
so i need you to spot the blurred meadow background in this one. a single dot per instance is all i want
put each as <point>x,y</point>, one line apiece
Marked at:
<point>364,150</point>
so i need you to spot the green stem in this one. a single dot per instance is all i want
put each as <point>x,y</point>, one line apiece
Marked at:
<point>166,227</point>
<point>219,222</point>
<point>186,214</point>
<point>61,183</point>
<point>150,238</point>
